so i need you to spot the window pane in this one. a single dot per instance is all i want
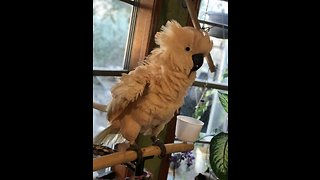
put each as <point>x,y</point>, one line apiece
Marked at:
<point>215,11</point>
<point>102,95</point>
<point>205,105</point>
<point>219,54</point>
<point>111,24</point>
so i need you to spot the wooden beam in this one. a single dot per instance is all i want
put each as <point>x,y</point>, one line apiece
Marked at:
<point>169,138</point>
<point>142,32</point>
<point>100,107</point>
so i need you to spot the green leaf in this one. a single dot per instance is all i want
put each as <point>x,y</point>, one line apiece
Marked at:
<point>224,100</point>
<point>219,155</point>
<point>202,107</point>
<point>225,74</point>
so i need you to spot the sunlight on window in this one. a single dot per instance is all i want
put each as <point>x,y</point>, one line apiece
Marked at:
<point>219,54</point>
<point>213,8</point>
<point>111,24</point>
<point>101,95</point>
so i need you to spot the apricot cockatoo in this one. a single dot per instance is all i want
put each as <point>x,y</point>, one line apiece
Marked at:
<point>146,99</point>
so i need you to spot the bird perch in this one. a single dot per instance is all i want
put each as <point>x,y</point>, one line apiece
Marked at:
<point>128,156</point>
<point>100,107</point>
<point>196,25</point>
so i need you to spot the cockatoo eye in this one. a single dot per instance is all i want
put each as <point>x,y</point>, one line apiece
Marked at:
<point>188,49</point>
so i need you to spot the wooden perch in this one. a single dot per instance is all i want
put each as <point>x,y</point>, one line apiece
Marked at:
<point>196,24</point>
<point>128,156</point>
<point>100,107</point>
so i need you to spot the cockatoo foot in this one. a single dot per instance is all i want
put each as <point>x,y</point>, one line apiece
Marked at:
<point>157,142</point>
<point>135,147</point>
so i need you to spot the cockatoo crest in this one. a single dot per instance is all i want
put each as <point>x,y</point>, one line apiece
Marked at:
<point>180,43</point>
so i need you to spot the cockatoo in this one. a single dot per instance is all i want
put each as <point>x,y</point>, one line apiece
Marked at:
<point>146,99</point>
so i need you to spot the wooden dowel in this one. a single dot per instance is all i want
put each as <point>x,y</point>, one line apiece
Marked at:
<point>196,25</point>
<point>128,156</point>
<point>100,107</point>
<point>193,14</point>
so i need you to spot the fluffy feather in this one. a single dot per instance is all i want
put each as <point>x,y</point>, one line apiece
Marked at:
<point>145,100</point>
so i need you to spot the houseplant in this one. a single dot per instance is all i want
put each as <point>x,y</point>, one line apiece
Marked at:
<point>218,157</point>
<point>219,144</point>
<point>218,152</point>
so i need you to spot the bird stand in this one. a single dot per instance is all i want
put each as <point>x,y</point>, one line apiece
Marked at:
<point>128,156</point>
<point>108,157</point>
<point>139,172</point>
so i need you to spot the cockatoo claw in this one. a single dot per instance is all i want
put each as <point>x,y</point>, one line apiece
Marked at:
<point>135,147</point>
<point>157,142</point>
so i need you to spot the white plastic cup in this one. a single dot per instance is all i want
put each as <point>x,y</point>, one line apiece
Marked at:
<point>188,128</point>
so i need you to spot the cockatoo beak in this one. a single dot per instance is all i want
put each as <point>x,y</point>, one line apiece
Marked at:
<point>197,61</point>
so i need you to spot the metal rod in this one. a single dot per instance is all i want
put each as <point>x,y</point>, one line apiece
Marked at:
<point>108,72</point>
<point>129,2</point>
<point>211,85</point>
<point>140,168</point>
<point>225,26</point>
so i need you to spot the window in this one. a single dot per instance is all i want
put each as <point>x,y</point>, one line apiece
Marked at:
<point>111,25</point>
<point>118,24</point>
<point>203,100</point>
<point>111,34</point>
<point>209,92</point>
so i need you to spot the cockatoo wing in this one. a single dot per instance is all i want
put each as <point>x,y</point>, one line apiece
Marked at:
<point>128,90</point>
